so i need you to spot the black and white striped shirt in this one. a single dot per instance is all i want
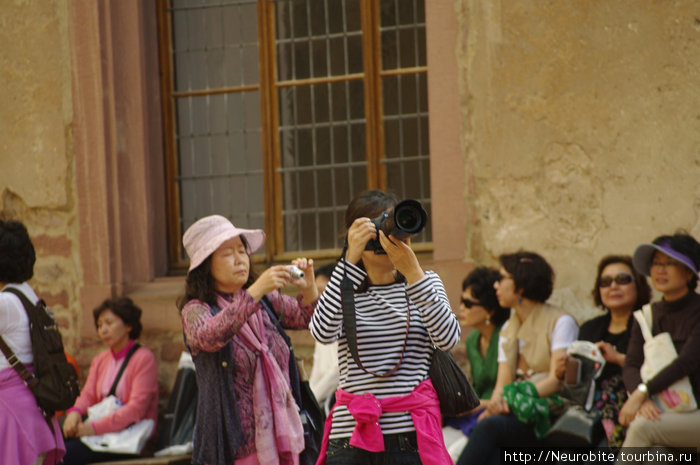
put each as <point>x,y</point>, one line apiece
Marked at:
<point>381,328</point>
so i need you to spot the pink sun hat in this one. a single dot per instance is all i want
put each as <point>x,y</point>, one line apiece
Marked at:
<point>208,233</point>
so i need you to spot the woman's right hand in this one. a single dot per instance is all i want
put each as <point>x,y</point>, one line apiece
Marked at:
<point>497,406</point>
<point>275,277</point>
<point>360,232</point>
<point>70,424</point>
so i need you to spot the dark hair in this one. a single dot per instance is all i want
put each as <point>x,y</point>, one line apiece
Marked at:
<point>200,284</point>
<point>481,281</point>
<point>326,270</point>
<point>370,204</point>
<point>640,281</point>
<point>684,243</point>
<point>17,256</point>
<point>124,308</point>
<point>531,274</point>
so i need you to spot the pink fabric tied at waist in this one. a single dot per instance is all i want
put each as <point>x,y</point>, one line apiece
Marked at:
<point>366,409</point>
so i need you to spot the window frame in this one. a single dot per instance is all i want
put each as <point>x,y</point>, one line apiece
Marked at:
<point>268,87</point>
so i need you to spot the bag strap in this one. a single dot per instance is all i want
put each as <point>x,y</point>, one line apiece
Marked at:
<point>133,349</point>
<point>347,298</point>
<point>28,378</point>
<point>643,317</point>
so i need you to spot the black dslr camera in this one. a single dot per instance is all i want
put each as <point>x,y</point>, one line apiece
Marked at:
<point>406,219</point>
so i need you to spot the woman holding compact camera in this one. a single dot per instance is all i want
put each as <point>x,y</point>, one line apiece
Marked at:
<point>386,408</point>
<point>246,410</point>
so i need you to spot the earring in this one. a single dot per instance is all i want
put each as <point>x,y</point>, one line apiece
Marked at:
<point>488,320</point>
<point>520,300</point>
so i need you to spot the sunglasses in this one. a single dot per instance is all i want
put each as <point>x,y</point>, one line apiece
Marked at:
<point>469,303</point>
<point>622,278</point>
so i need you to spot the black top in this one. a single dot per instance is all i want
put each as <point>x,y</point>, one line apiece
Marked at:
<point>596,329</point>
<point>681,319</point>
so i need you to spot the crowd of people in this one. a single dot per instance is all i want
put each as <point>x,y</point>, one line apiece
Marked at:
<point>376,316</point>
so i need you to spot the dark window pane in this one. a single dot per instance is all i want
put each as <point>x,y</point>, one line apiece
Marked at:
<point>355,54</point>
<point>407,47</point>
<point>338,56</point>
<point>388,13</point>
<point>319,49</point>
<point>301,60</point>
<point>321,103</point>
<point>358,142</point>
<point>406,12</point>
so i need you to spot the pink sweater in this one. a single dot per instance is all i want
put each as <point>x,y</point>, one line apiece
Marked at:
<point>137,389</point>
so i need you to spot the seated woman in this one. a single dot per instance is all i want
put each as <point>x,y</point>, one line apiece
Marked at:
<point>531,344</point>
<point>619,290</point>
<point>118,323</point>
<point>673,263</point>
<point>479,309</point>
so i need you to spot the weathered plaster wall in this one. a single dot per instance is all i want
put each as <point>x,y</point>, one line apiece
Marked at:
<point>36,156</point>
<point>581,129</point>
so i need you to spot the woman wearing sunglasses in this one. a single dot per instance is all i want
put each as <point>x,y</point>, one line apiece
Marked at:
<point>480,311</point>
<point>619,290</point>
<point>673,263</point>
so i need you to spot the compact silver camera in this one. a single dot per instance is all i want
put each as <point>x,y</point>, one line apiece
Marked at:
<point>295,272</point>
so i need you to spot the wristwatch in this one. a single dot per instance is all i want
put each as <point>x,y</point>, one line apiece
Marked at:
<point>642,387</point>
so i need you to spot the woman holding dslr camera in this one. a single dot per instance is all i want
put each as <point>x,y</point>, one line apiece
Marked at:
<point>386,409</point>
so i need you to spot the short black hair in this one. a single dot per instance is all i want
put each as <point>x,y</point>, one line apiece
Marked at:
<point>480,281</point>
<point>17,255</point>
<point>325,270</point>
<point>686,244</point>
<point>531,274</point>
<point>640,281</point>
<point>124,308</point>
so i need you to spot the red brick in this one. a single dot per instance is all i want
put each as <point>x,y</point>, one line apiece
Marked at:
<point>52,245</point>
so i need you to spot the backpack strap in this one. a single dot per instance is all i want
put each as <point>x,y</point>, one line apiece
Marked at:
<point>28,378</point>
<point>133,349</point>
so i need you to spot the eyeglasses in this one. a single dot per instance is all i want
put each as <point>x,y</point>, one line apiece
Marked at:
<point>469,303</point>
<point>622,278</point>
<point>665,264</point>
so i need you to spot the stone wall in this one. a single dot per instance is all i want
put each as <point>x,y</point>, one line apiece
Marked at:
<point>37,185</point>
<point>580,129</point>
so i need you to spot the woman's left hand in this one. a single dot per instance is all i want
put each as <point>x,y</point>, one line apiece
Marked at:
<point>307,284</point>
<point>610,353</point>
<point>85,429</point>
<point>633,406</point>
<point>402,256</point>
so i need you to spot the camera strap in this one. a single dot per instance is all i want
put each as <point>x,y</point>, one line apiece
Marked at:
<point>347,298</point>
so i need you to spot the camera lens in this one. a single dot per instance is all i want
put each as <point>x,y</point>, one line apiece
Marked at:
<point>407,219</point>
<point>410,217</point>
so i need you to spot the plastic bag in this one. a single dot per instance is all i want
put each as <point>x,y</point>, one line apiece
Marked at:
<point>130,440</point>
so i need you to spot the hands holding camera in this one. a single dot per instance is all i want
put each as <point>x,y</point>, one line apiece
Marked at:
<point>399,251</point>
<point>278,276</point>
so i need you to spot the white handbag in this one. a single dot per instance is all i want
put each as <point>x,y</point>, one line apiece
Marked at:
<point>659,352</point>
<point>130,440</point>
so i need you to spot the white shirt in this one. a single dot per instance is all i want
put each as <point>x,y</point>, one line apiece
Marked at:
<point>14,324</point>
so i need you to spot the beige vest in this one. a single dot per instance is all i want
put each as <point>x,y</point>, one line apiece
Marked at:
<point>536,336</point>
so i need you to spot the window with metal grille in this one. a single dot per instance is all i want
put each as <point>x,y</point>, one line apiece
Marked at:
<point>278,113</point>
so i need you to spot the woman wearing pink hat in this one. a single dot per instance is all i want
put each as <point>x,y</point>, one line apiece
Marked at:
<point>246,411</point>
<point>672,262</point>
